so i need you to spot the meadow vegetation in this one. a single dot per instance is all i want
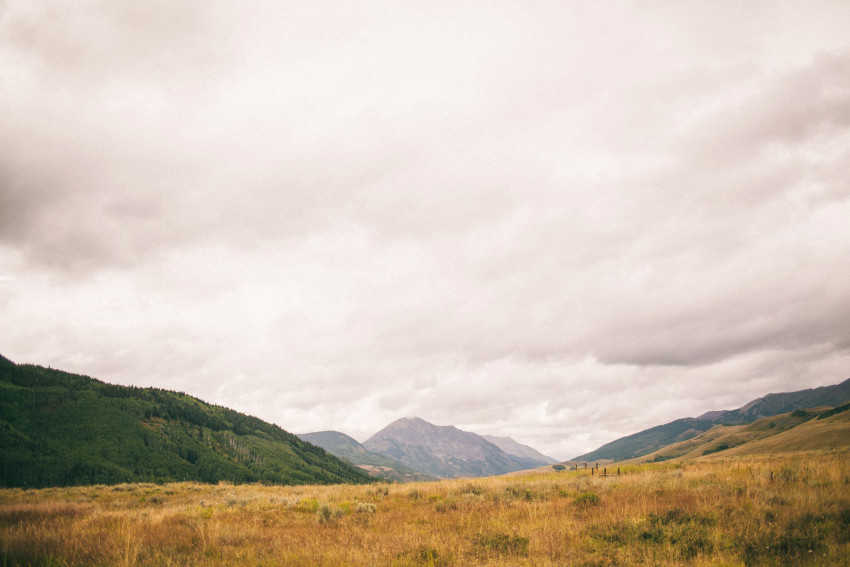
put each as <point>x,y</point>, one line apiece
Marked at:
<point>758,510</point>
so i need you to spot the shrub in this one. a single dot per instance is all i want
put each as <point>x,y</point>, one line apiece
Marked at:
<point>473,489</point>
<point>446,505</point>
<point>504,544</point>
<point>522,493</point>
<point>428,557</point>
<point>380,491</point>
<point>587,499</point>
<point>307,505</point>
<point>365,508</point>
<point>325,514</point>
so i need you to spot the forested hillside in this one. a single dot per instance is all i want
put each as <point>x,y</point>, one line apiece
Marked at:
<point>59,429</point>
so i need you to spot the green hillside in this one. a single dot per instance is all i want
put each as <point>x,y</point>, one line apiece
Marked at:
<point>60,429</point>
<point>800,430</point>
<point>649,440</point>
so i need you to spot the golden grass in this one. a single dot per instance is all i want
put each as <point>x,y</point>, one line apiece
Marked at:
<point>713,512</point>
<point>768,436</point>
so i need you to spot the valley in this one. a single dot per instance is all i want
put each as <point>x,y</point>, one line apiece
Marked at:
<point>99,474</point>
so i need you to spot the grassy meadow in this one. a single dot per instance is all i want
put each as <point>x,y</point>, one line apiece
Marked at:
<point>771,510</point>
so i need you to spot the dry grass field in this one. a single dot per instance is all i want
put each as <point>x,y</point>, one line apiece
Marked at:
<point>771,510</point>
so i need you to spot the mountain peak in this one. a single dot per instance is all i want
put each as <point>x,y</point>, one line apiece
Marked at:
<point>413,420</point>
<point>411,430</point>
<point>441,450</point>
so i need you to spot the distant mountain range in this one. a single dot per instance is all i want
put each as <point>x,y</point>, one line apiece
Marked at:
<point>413,449</point>
<point>448,452</point>
<point>61,429</point>
<point>350,449</point>
<point>655,438</point>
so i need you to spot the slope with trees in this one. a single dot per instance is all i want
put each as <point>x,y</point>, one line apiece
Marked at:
<point>59,429</point>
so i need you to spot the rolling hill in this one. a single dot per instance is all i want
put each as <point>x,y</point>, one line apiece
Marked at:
<point>60,429</point>
<point>647,441</point>
<point>654,438</point>
<point>800,430</point>
<point>348,448</point>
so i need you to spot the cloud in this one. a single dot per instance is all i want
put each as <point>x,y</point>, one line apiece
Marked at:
<point>558,223</point>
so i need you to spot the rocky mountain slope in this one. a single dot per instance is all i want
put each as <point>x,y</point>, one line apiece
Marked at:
<point>523,453</point>
<point>348,448</point>
<point>775,404</point>
<point>441,451</point>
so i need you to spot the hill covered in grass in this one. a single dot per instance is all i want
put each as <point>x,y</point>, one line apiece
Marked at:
<point>800,430</point>
<point>62,429</point>
<point>655,438</point>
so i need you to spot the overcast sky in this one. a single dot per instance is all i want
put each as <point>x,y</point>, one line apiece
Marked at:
<point>559,221</point>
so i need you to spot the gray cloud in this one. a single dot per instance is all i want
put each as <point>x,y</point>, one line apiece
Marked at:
<point>561,223</point>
